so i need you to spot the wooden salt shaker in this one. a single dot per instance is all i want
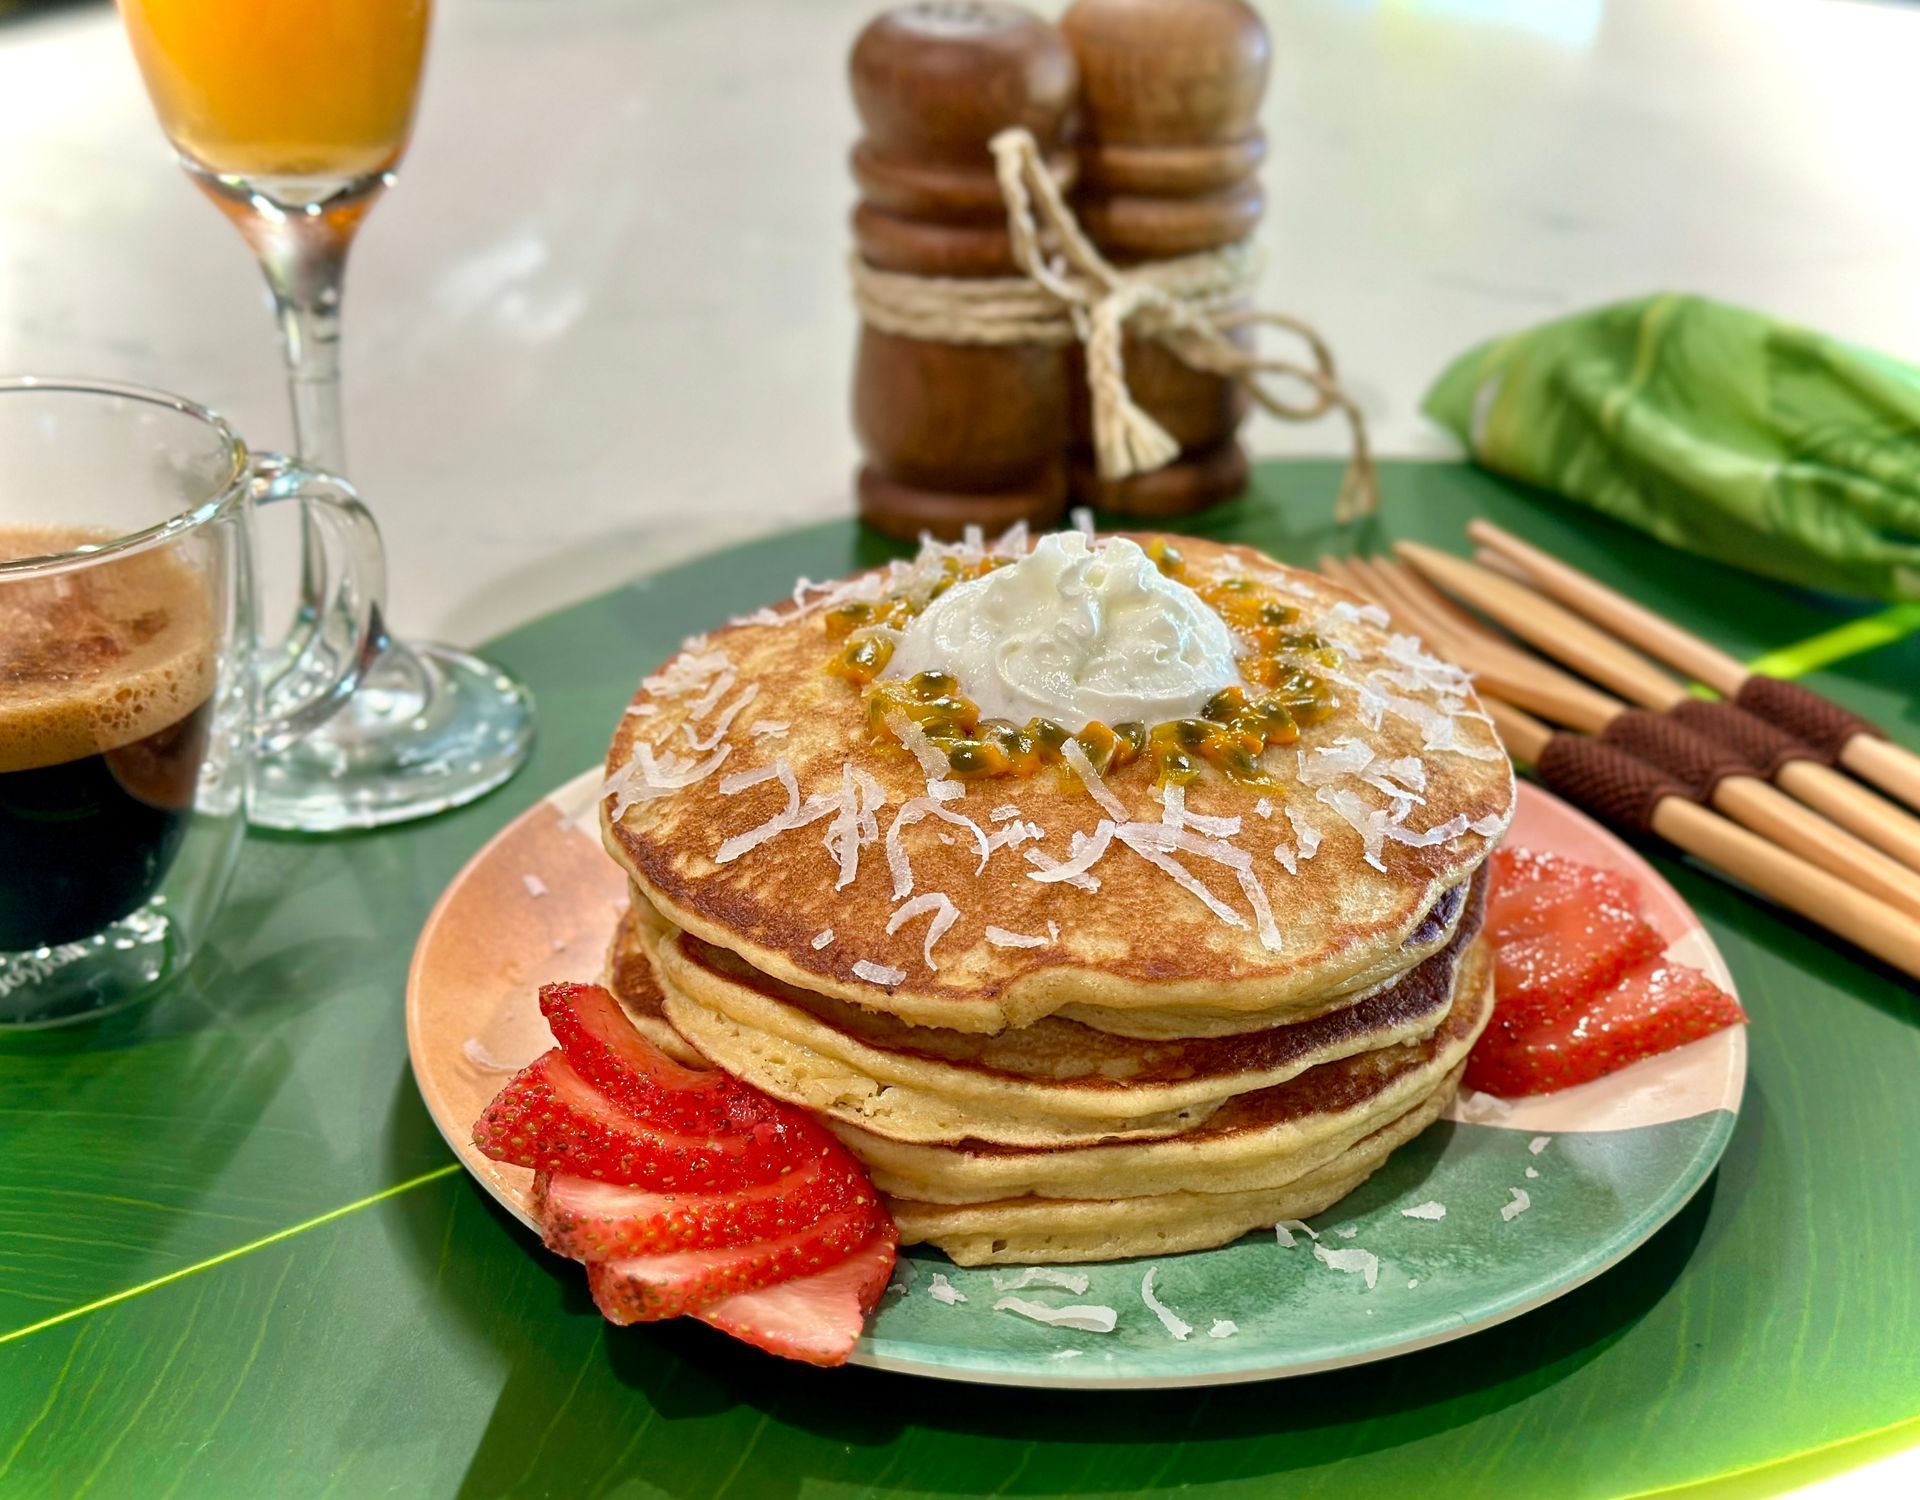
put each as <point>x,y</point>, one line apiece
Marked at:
<point>955,434</point>
<point>1169,157</point>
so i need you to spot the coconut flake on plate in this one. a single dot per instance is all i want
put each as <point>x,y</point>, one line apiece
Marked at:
<point>1347,1231</point>
<point>945,914</point>
<point>1000,937</point>
<point>1068,1281</point>
<point>1428,1210</point>
<point>873,973</point>
<point>943,1290</point>
<point>1170,1320</point>
<point>1532,1172</point>
<point>1515,1206</point>
<point>1356,1262</point>
<point>1539,1143</point>
<point>1284,1231</point>
<point>477,1054</point>
<point>1086,1317</point>
<point>1478,1108</point>
<point>1223,1328</point>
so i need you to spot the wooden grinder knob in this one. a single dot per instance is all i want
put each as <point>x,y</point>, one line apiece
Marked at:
<point>1169,160</point>
<point>954,434</point>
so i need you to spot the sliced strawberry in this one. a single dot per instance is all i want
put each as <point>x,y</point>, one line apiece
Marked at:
<point>643,1288</point>
<point>590,1220</point>
<point>815,1318</point>
<point>551,1119</point>
<point>1561,930</point>
<point>1652,1008</point>
<point>609,1053</point>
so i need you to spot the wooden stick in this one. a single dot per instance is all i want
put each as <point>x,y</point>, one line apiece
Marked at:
<point>1497,666</point>
<point>1755,803</point>
<point>1540,622</point>
<point>1530,614</point>
<point>1788,880</point>
<point>1888,766</point>
<point>1628,620</point>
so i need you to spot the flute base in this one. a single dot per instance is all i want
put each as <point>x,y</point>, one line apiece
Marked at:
<point>429,728</point>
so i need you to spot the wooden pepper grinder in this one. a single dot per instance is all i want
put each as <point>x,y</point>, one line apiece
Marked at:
<point>955,433</point>
<point>1169,160</point>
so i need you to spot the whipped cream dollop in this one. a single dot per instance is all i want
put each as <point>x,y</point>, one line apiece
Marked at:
<point>1074,633</point>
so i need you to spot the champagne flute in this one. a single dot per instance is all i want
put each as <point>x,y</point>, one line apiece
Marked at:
<point>291,116</point>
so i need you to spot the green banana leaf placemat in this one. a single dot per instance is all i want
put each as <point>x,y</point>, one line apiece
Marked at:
<point>236,1259</point>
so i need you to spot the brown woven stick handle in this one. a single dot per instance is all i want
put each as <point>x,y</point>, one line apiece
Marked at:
<point>1892,768</point>
<point>1633,622</point>
<point>1554,631</point>
<point>1624,792</point>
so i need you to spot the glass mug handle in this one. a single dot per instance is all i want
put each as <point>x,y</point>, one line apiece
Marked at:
<point>341,631</point>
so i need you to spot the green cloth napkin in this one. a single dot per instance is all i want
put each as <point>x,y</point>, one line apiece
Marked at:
<point>1763,445</point>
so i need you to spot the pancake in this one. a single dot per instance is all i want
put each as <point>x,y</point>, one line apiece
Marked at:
<point>1257,1141</point>
<point>1401,793</point>
<point>1053,1083</point>
<point>1040,1231</point>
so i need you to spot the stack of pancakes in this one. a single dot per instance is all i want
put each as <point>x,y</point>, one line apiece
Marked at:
<point>1227,1018</point>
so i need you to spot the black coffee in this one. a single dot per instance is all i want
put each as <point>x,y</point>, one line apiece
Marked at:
<point>105,706</point>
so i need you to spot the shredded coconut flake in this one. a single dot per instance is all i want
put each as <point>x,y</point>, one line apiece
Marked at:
<point>1539,1143</point>
<point>945,914</point>
<point>1478,1108</point>
<point>1518,1204</point>
<point>481,1058</point>
<point>1076,757</point>
<point>791,816</point>
<point>1283,1231</point>
<point>1053,932</point>
<point>722,724</point>
<point>1070,1281</point>
<point>1347,1231</point>
<point>1044,862</point>
<point>1000,937</point>
<point>943,1290</point>
<point>1087,1317</point>
<point>1263,808</point>
<point>1305,831</point>
<point>1430,1210</point>
<point>768,729</point>
<point>536,887</point>
<point>1003,813</point>
<point>1087,851</point>
<point>1412,1283</point>
<point>1356,1262</point>
<point>1533,1172</point>
<point>873,973</point>
<point>822,938</point>
<point>1223,1328</point>
<point>1176,1325</point>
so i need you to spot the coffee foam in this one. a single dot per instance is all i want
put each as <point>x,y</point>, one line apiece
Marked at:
<point>97,658</point>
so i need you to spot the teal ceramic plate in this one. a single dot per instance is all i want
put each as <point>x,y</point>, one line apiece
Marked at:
<point>1538,1197</point>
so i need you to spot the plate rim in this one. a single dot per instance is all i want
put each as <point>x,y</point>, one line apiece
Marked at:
<point>1686,1184</point>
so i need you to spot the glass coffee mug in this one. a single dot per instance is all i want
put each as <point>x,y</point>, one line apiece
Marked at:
<point>131,709</point>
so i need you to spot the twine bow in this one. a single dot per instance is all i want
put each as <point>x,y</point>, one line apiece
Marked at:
<point>1071,293</point>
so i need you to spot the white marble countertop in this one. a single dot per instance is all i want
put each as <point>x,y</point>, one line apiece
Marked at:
<point>602,324</point>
